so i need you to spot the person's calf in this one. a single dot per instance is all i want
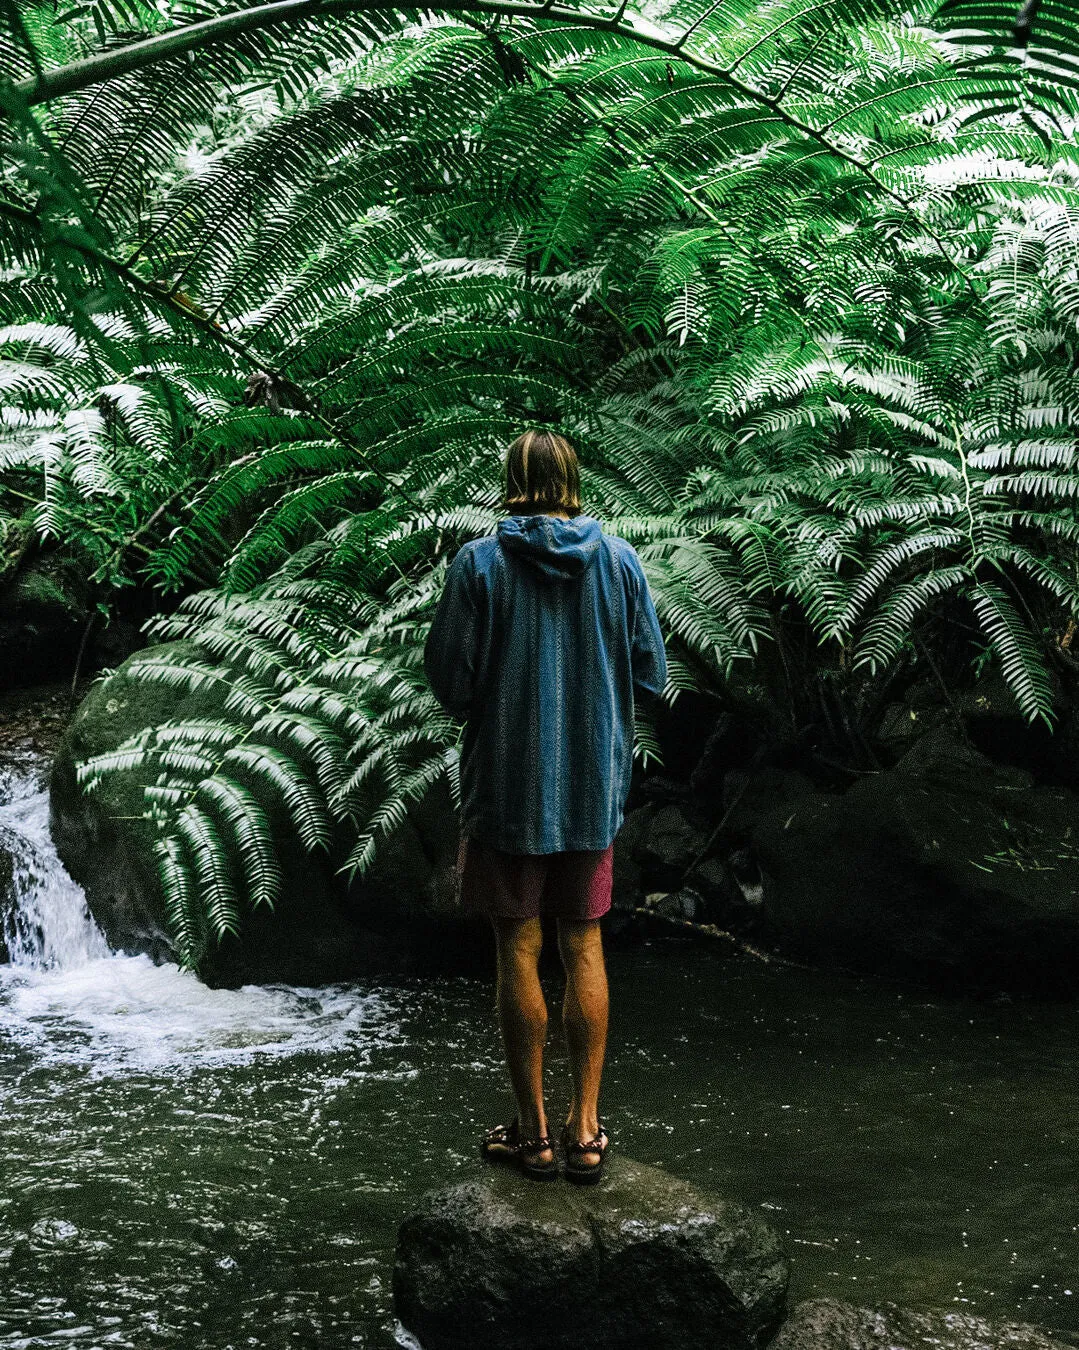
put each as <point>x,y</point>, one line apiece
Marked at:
<point>522,1015</point>
<point>584,1016</point>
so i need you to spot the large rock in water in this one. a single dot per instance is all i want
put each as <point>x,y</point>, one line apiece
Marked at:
<point>829,1324</point>
<point>641,1260</point>
<point>948,869</point>
<point>399,916</point>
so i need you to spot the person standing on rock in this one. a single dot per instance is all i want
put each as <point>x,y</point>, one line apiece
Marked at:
<point>542,639</point>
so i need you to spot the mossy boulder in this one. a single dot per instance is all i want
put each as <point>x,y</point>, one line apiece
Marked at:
<point>398,917</point>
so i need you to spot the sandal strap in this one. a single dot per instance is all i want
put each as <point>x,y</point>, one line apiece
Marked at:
<point>596,1145</point>
<point>510,1136</point>
<point>535,1145</point>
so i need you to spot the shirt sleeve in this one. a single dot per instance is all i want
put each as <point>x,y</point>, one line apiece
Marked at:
<point>449,654</point>
<point>648,654</point>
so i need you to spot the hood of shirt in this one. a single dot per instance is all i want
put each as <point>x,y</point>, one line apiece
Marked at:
<point>556,548</point>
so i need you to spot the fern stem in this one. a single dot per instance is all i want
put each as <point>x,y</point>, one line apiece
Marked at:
<point>967,492</point>
<point>575,96</point>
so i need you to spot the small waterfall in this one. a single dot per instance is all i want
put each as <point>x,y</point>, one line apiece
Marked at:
<point>46,922</point>
<point>66,998</point>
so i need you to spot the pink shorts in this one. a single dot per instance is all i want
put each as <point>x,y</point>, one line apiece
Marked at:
<point>570,885</point>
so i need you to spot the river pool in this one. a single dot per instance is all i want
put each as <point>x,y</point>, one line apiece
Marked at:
<point>189,1167</point>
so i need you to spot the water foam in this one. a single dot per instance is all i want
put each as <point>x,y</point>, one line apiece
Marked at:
<point>119,1013</point>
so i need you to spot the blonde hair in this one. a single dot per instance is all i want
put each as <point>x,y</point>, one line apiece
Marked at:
<point>540,473</point>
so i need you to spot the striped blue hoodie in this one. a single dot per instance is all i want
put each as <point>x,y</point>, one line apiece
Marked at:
<point>543,634</point>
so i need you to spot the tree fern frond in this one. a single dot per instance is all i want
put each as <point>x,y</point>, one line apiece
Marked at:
<point>1020,662</point>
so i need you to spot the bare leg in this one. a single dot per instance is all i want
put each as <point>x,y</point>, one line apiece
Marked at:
<point>584,1013</point>
<point>522,1017</point>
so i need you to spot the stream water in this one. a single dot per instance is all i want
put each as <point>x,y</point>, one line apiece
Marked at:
<point>188,1167</point>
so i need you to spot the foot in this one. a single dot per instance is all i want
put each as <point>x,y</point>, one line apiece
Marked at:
<point>537,1154</point>
<point>507,1143</point>
<point>585,1152</point>
<point>576,1134</point>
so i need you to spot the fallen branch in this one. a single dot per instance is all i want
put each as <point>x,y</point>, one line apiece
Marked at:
<point>711,930</point>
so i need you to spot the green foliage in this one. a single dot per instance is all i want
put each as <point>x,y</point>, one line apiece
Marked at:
<point>799,279</point>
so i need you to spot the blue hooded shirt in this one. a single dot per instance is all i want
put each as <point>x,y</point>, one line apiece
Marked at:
<point>543,636</point>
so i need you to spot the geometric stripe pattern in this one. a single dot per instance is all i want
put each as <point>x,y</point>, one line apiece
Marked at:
<point>543,636</point>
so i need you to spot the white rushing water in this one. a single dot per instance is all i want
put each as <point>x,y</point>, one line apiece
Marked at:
<point>68,998</point>
<point>47,925</point>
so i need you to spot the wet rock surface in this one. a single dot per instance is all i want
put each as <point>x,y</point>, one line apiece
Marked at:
<point>829,1324</point>
<point>32,721</point>
<point>641,1260</point>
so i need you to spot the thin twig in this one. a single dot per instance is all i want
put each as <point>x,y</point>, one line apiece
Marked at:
<point>711,930</point>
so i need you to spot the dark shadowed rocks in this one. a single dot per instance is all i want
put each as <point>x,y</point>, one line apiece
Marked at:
<point>642,1260</point>
<point>43,611</point>
<point>655,847</point>
<point>946,869</point>
<point>950,869</point>
<point>828,1324</point>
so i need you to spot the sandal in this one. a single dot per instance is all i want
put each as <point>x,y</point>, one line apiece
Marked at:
<point>503,1143</point>
<point>584,1174</point>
